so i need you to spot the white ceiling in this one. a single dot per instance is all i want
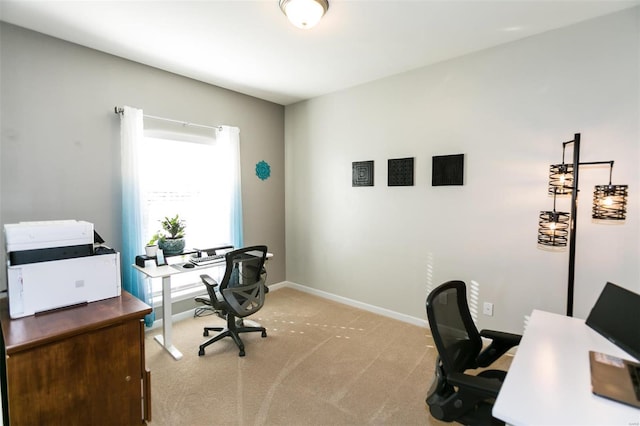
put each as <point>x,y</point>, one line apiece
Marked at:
<point>250,47</point>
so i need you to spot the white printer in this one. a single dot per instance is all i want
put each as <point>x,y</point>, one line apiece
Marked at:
<point>52,265</point>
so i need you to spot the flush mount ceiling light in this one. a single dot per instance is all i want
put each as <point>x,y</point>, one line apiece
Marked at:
<point>304,14</point>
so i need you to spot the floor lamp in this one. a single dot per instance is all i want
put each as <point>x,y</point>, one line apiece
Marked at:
<point>557,229</point>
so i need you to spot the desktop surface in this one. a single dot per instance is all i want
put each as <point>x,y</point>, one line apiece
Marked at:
<point>549,381</point>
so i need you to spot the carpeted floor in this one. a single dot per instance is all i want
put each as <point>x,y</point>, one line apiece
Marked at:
<point>323,363</point>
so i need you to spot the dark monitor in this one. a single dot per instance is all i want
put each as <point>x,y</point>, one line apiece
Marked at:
<point>97,239</point>
<point>616,316</point>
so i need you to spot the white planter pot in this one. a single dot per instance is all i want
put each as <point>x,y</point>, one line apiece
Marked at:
<point>151,251</point>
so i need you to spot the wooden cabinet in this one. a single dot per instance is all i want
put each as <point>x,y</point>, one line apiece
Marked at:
<point>78,366</point>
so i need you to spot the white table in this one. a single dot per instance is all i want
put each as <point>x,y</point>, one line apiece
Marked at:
<point>549,382</point>
<point>165,272</point>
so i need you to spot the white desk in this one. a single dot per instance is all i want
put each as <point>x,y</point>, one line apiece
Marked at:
<point>549,382</point>
<point>165,272</point>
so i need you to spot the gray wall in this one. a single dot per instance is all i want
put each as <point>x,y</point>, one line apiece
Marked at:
<point>60,149</point>
<point>508,109</point>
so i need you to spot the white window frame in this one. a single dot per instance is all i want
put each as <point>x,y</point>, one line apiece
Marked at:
<point>203,175</point>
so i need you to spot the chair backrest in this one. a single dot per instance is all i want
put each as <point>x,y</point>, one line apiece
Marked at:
<point>242,286</point>
<point>454,333</point>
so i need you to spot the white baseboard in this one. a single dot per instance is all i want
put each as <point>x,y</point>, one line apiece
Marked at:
<point>174,318</point>
<point>330,296</point>
<point>278,286</point>
<point>340,299</point>
<point>366,307</point>
<point>355,303</point>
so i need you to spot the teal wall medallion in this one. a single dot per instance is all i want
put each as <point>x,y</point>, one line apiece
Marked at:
<point>263,170</point>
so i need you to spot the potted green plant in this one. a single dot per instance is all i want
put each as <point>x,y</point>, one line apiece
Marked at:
<point>171,237</point>
<point>151,249</point>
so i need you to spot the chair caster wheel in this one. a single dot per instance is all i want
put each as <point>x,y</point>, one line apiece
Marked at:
<point>241,352</point>
<point>264,334</point>
<point>201,352</point>
<point>205,333</point>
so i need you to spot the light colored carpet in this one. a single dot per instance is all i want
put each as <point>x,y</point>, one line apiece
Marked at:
<point>323,363</point>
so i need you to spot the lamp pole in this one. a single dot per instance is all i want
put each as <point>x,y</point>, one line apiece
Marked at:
<point>573,224</point>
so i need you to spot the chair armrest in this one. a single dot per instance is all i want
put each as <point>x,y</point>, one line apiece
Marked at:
<point>208,280</point>
<point>508,338</point>
<point>482,386</point>
<point>501,342</point>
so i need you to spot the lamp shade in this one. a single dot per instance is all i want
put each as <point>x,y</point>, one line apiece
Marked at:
<point>553,228</point>
<point>610,202</point>
<point>304,14</point>
<point>561,179</point>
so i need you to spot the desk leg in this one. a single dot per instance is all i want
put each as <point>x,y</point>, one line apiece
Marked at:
<point>165,338</point>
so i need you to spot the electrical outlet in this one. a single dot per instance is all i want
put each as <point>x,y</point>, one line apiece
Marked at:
<point>487,309</point>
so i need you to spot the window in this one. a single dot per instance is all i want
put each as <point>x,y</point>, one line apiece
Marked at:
<point>192,179</point>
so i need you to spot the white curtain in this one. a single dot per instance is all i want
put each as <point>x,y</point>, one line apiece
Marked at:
<point>228,139</point>
<point>131,136</point>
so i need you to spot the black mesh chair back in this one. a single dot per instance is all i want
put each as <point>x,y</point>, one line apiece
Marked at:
<point>243,286</point>
<point>452,327</point>
<point>455,394</point>
<point>240,294</point>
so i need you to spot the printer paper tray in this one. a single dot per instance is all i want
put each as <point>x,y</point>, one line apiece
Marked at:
<point>40,287</point>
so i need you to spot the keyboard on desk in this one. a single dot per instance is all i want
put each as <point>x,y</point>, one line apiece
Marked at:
<point>200,261</point>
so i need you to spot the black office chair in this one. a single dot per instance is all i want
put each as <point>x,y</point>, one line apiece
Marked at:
<point>240,294</point>
<point>203,303</point>
<point>455,395</point>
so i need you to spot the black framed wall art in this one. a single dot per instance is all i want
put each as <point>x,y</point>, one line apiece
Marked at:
<point>362,173</point>
<point>400,172</point>
<point>447,170</point>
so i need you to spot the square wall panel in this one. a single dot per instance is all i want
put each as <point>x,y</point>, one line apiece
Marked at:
<point>362,173</point>
<point>400,172</point>
<point>447,170</point>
